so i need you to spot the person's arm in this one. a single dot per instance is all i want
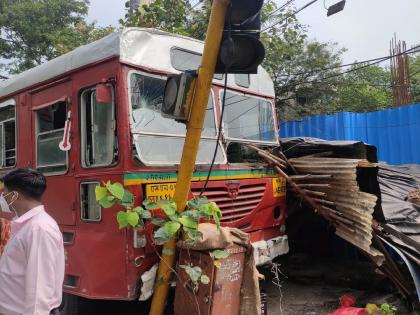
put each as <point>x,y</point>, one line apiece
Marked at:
<point>40,273</point>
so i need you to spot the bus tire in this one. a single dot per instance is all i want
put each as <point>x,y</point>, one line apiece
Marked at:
<point>71,305</point>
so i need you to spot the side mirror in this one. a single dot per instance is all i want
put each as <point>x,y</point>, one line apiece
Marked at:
<point>103,93</point>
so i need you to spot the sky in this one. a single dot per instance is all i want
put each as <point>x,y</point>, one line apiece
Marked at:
<point>364,28</point>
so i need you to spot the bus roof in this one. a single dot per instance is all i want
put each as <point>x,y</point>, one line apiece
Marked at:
<point>149,48</point>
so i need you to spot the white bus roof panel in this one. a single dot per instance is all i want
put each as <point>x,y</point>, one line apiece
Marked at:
<point>148,48</point>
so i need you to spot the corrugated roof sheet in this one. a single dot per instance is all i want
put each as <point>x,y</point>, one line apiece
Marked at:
<point>395,132</point>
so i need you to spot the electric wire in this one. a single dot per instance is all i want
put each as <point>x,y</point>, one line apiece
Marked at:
<point>384,58</point>
<point>280,8</point>
<point>220,122</point>
<point>290,15</point>
<point>409,51</point>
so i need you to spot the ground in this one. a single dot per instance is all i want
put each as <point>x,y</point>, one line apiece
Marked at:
<point>313,286</point>
<point>309,286</point>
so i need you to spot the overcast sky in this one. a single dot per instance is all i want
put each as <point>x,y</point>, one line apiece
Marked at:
<point>365,27</point>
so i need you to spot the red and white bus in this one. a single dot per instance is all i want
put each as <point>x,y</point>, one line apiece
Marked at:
<point>126,139</point>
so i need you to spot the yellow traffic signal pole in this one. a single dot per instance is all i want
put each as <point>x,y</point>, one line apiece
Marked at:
<point>192,140</point>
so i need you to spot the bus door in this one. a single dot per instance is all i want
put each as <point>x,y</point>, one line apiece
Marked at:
<point>53,153</point>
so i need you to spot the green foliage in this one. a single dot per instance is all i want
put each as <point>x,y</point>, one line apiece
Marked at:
<point>175,16</point>
<point>365,90</point>
<point>110,194</point>
<point>415,78</point>
<point>195,274</point>
<point>219,254</point>
<point>32,32</point>
<point>388,309</point>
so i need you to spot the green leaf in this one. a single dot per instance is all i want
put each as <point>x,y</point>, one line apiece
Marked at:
<point>100,192</point>
<point>139,210</point>
<point>150,205</point>
<point>160,236</point>
<point>157,221</point>
<point>196,202</point>
<point>122,219</point>
<point>192,213</point>
<point>188,222</point>
<point>204,279</point>
<point>128,199</point>
<point>194,273</point>
<point>147,214</point>
<point>107,202</point>
<point>133,218</point>
<point>193,234</point>
<point>116,189</point>
<point>171,228</point>
<point>169,208</point>
<point>219,254</point>
<point>205,210</point>
<point>167,252</point>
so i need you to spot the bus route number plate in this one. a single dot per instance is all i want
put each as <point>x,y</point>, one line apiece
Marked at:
<point>279,187</point>
<point>156,192</point>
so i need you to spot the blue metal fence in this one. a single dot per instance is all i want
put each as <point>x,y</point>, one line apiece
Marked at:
<point>395,132</point>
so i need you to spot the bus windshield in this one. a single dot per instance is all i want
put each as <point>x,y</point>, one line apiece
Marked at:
<point>248,118</point>
<point>159,140</point>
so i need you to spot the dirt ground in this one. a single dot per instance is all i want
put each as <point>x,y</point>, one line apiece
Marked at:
<point>309,286</point>
<point>313,287</point>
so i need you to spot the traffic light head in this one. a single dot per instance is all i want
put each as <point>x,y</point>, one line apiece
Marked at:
<point>241,50</point>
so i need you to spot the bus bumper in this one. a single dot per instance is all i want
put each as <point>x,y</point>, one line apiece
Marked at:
<point>266,250</point>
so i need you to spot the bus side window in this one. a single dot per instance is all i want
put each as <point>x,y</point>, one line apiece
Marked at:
<point>50,131</point>
<point>7,134</point>
<point>98,128</point>
<point>90,210</point>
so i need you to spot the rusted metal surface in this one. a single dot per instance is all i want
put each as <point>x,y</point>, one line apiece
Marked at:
<point>330,187</point>
<point>400,73</point>
<point>221,295</point>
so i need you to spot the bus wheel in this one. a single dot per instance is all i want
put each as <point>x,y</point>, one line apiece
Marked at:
<point>71,305</point>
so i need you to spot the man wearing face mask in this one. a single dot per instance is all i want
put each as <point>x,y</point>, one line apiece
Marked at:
<point>32,264</point>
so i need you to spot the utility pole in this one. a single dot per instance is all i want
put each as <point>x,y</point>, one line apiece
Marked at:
<point>192,140</point>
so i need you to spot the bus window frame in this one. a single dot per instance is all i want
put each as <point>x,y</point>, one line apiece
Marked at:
<point>169,135</point>
<point>270,101</point>
<point>44,170</point>
<point>6,103</point>
<point>82,128</point>
<point>81,203</point>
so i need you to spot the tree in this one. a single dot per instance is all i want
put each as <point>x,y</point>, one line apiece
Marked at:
<point>367,89</point>
<point>415,78</point>
<point>32,32</point>
<point>175,16</point>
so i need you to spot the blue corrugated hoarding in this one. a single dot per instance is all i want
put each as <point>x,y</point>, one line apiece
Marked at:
<point>395,132</point>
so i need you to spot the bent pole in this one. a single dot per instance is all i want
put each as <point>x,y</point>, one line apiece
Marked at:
<point>192,141</point>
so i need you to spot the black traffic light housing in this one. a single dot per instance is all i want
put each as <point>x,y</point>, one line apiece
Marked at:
<point>177,95</point>
<point>241,50</point>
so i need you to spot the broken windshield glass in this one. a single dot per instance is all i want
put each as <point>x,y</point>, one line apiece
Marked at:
<point>159,140</point>
<point>248,118</point>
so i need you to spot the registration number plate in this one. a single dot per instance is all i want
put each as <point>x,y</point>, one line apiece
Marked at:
<point>156,192</point>
<point>279,187</point>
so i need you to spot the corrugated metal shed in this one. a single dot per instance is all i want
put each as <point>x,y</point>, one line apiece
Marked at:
<point>395,132</point>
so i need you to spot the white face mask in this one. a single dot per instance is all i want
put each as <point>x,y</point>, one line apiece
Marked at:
<point>5,206</point>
